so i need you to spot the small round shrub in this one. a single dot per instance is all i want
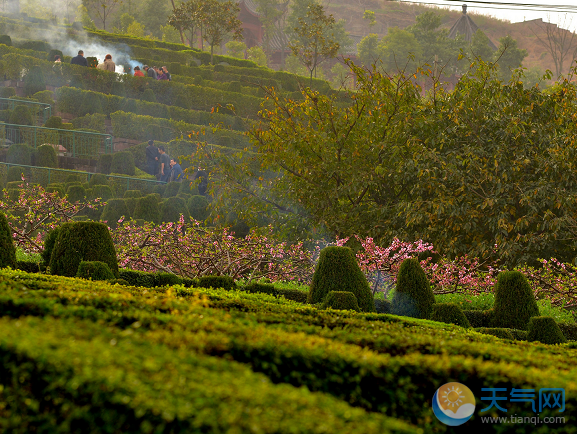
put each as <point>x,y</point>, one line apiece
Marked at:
<point>21,116</point>
<point>342,300</point>
<point>104,163</point>
<point>172,189</point>
<point>34,81</point>
<point>94,270</point>
<point>76,193</point>
<point>19,153</point>
<point>123,163</point>
<point>159,189</point>
<point>503,333</point>
<point>413,295</point>
<point>263,288</point>
<point>44,96</point>
<point>382,306</point>
<point>49,243</point>
<point>7,249</point>
<point>82,241</point>
<point>337,270</point>
<point>147,208</point>
<point>544,329</point>
<point>172,208</point>
<point>132,194</point>
<point>514,301</point>
<point>225,282</point>
<point>113,211</point>
<point>98,179</point>
<point>198,208</point>
<point>104,192</point>
<point>449,313</point>
<point>54,122</point>
<point>46,156</point>
<point>164,279</point>
<point>15,174</point>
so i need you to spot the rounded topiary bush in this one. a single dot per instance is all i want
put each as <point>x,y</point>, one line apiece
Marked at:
<point>132,194</point>
<point>159,189</point>
<point>198,207</point>
<point>14,184</point>
<point>342,300</point>
<point>263,288</point>
<point>172,189</point>
<point>123,163</point>
<point>147,209</point>
<point>225,282</point>
<point>15,174</point>
<point>544,329</point>
<point>49,243</point>
<point>19,153</point>
<point>21,116</point>
<point>113,211</point>
<point>54,122</point>
<point>76,193</point>
<point>82,241</point>
<point>337,270</point>
<point>413,295</point>
<point>73,178</point>
<point>46,156</point>
<point>56,188</point>
<point>34,81</point>
<point>94,270</point>
<point>104,163</point>
<point>98,179</point>
<point>172,208</point>
<point>514,301</point>
<point>102,192</point>
<point>449,313</point>
<point>382,306</point>
<point>7,249</point>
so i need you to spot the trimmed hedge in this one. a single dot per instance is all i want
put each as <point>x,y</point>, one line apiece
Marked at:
<point>172,208</point>
<point>337,270</point>
<point>225,282</point>
<point>49,243</point>
<point>98,179</point>
<point>7,249</point>
<point>341,300</point>
<point>293,294</point>
<point>449,313</point>
<point>19,153</point>
<point>514,301</point>
<point>148,209</point>
<point>413,294</point>
<point>46,156</point>
<point>382,306</point>
<point>76,193</point>
<point>262,288</point>
<point>479,318</point>
<point>569,330</point>
<point>544,329</point>
<point>198,208</point>
<point>503,333</point>
<point>94,270</point>
<point>123,163</point>
<point>82,241</point>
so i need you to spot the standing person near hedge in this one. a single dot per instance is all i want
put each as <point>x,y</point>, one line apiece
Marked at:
<point>152,156</point>
<point>108,64</point>
<point>160,74</point>
<point>138,72</point>
<point>164,164</point>
<point>166,73</point>
<point>203,182</point>
<point>79,60</point>
<point>176,173</point>
<point>150,72</point>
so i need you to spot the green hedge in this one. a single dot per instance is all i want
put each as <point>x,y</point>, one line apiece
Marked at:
<point>94,270</point>
<point>341,300</point>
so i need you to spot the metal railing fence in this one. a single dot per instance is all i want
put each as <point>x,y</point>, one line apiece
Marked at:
<point>41,111</point>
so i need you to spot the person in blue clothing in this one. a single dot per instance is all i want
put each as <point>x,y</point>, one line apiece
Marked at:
<point>176,173</point>
<point>79,60</point>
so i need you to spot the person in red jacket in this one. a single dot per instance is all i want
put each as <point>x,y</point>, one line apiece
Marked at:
<point>138,72</point>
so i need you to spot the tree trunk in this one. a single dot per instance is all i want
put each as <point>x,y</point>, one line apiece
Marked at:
<point>179,30</point>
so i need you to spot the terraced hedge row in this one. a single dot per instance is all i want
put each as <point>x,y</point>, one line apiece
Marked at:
<point>382,363</point>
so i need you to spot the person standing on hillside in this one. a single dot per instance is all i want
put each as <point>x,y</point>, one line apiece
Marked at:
<point>152,156</point>
<point>166,73</point>
<point>108,64</point>
<point>138,72</point>
<point>79,60</point>
<point>164,160</point>
<point>176,173</point>
<point>150,72</point>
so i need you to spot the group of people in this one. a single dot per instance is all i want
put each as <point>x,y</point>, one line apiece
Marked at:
<point>107,65</point>
<point>159,164</point>
<point>153,72</point>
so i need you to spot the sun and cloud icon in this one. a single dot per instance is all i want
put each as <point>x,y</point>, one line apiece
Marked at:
<point>453,404</point>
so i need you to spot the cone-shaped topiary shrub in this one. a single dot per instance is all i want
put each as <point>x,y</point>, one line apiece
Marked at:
<point>337,270</point>
<point>198,208</point>
<point>21,116</point>
<point>382,306</point>
<point>123,163</point>
<point>413,295</point>
<point>449,313</point>
<point>19,153</point>
<point>94,270</point>
<point>263,288</point>
<point>514,301</point>
<point>82,241</point>
<point>46,156</point>
<point>76,193</point>
<point>172,189</point>
<point>7,249</point>
<point>544,329</point>
<point>172,208</point>
<point>147,208</point>
<point>225,282</point>
<point>98,179</point>
<point>113,211</point>
<point>49,243</point>
<point>342,300</point>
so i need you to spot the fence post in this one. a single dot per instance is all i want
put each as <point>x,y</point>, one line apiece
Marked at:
<point>73,144</point>
<point>49,175</point>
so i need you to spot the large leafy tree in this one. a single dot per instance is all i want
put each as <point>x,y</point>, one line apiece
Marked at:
<point>219,21</point>
<point>399,50</point>
<point>188,19</point>
<point>508,56</point>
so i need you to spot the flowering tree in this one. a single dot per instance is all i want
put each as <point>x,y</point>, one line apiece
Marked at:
<point>186,249</point>
<point>36,211</point>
